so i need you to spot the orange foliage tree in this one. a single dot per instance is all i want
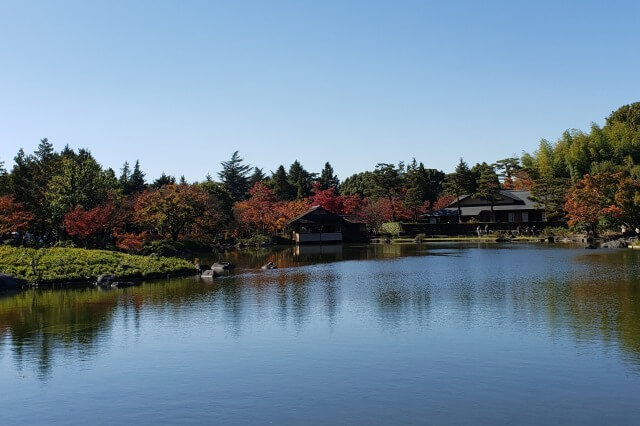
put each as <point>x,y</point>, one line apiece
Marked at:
<point>168,211</point>
<point>13,217</point>
<point>591,200</point>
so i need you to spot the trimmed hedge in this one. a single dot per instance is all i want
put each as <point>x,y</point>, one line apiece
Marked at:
<point>53,265</point>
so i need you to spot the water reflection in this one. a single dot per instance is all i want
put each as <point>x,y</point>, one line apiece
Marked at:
<point>562,293</point>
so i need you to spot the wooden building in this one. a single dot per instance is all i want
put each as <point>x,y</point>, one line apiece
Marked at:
<point>320,226</point>
<point>509,206</point>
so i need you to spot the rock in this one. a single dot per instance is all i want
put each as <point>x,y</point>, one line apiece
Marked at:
<point>269,265</point>
<point>209,273</point>
<point>106,279</point>
<point>222,266</point>
<point>7,282</point>
<point>201,268</point>
<point>123,284</point>
<point>621,243</point>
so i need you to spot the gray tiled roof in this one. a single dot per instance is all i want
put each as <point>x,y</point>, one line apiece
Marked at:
<point>522,202</point>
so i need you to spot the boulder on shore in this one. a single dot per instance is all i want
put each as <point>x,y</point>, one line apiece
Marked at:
<point>620,243</point>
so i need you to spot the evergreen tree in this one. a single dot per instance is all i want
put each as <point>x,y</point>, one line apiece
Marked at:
<point>459,183</point>
<point>280,185</point>
<point>234,176</point>
<point>183,180</point>
<point>137,182</point>
<point>328,179</point>
<point>388,181</point>
<point>257,176</point>
<point>488,187</point>
<point>163,180</point>
<point>301,180</point>
<point>125,177</point>
<point>4,180</point>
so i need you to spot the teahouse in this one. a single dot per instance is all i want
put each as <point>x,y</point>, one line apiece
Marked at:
<point>319,226</point>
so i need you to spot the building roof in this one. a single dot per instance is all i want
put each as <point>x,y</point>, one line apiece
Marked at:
<point>318,214</point>
<point>521,201</point>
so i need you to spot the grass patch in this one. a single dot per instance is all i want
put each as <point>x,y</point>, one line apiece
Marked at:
<point>51,265</point>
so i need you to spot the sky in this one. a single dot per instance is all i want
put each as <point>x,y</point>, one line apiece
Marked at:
<point>180,85</point>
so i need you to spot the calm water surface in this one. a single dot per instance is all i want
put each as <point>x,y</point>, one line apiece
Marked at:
<point>517,334</point>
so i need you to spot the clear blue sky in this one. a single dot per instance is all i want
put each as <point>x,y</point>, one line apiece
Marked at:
<point>180,85</point>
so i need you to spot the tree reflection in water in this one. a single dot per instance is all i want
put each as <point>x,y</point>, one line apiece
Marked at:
<point>590,298</point>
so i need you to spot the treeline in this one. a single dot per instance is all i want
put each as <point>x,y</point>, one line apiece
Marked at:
<point>591,179</point>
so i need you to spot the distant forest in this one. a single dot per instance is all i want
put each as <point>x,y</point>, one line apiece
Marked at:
<point>590,179</point>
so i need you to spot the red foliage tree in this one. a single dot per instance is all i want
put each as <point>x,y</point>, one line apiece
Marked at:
<point>130,241</point>
<point>88,225</point>
<point>13,217</point>
<point>339,204</point>
<point>443,201</point>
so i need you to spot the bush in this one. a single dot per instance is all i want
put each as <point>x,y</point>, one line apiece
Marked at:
<point>73,264</point>
<point>391,228</point>
<point>255,240</point>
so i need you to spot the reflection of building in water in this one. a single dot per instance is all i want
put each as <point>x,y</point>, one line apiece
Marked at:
<point>318,225</point>
<point>315,249</point>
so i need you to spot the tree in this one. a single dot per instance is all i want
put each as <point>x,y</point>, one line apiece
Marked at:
<point>163,180</point>
<point>4,180</point>
<point>257,176</point>
<point>301,180</point>
<point>507,169</point>
<point>548,193</point>
<point>234,176</point>
<point>591,200</point>
<point>488,187</point>
<point>329,200</point>
<point>78,182</point>
<point>388,181</point>
<point>125,177</point>
<point>13,217</point>
<point>257,212</point>
<point>328,179</point>
<point>137,182</point>
<point>280,185</point>
<point>91,226</point>
<point>459,183</point>
<point>362,184</point>
<point>168,210</point>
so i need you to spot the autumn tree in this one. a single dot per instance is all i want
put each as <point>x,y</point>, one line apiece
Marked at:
<point>591,200</point>
<point>13,217</point>
<point>91,226</point>
<point>257,212</point>
<point>168,210</point>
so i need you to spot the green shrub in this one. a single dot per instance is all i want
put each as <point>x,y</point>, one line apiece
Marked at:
<point>73,264</point>
<point>255,240</point>
<point>391,228</point>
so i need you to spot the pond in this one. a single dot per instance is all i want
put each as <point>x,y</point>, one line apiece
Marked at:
<point>378,334</point>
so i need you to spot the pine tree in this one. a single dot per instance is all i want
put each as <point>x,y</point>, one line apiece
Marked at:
<point>125,177</point>
<point>328,179</point>
<point>257,176</point>
<point>137,182</point>
<point>459,183</point>
<point>488,187</point>
<point>280,184</point>
<point>234,176</point>
<point>163,180</point>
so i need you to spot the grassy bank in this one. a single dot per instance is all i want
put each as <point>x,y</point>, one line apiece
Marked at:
<point>54,265</point>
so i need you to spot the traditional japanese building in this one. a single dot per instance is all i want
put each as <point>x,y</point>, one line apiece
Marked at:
<point>320,226</point>
<point>508,206</point>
